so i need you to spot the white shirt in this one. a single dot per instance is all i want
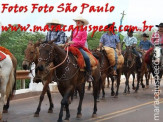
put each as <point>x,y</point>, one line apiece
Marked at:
<point>129,41</point>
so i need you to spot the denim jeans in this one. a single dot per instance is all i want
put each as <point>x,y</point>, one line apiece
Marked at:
<point>136,52</point>
<point>116,60</point>
<point>87,60</point>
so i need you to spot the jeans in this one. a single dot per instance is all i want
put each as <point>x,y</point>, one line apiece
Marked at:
<point>136,52</point>
<point>87,60</point>
<point>116,60</point>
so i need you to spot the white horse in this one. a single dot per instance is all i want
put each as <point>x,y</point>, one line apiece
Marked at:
<point>7,79</point>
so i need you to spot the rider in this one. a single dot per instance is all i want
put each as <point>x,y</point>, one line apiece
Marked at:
<point>79,38</point>
<point>111,40</point>
<point>60,36</point>
<point>145,44</point>
<point>130,40</point>
<point>160,32</point>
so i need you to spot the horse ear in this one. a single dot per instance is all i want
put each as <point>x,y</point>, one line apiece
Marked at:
<point>50,42</point>
<point>30,42</point>
<point>37,44</point>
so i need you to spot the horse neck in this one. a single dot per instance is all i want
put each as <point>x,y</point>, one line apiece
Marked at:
<point>59,56</point>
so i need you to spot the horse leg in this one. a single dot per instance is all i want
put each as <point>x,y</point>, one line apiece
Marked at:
<point>108,82</point>
<point>125,91</point>
<point>95,94</point>
<point>138,81</point>
<point>133,85</point>
<point>112,87</point>
<point>81,91</point>
<point>75,93</point>
<point>143,86</point>
<point>5,107</point>
<point>118,81</point>
<point>128,85</point>
<point>147,76</point>
<point>46,87</point>
<point>65,103</point>
<point>67,112</point>
<point>50,101</point>
<point>89,86</point>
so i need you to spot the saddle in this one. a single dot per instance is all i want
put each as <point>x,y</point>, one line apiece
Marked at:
<point>80,59</point>
<point>6,51</point>
<point>111,56</point>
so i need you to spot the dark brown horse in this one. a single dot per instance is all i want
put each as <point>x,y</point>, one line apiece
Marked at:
<point>156,64</point>
<point>106,69</point>
<point>31,55</point>
<point>68,76</point>
<point>131,66</point>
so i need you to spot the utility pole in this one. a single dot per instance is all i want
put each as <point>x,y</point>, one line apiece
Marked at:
<point>121,20</point>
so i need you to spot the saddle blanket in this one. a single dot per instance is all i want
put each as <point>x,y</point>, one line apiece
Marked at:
<point>111,57</point>
<point>6,51</point>
<point>80,59</point>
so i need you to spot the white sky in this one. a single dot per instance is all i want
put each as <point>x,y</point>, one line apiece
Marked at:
<point>136,12</point>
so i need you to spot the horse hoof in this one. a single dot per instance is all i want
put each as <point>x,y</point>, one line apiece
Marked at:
<point>147,87</point>
<point>136,91</point>
<point>103,98</point>
<point>112,94</point>
<point>128,92</point>
<point>36,115</point>
<point>65,120</point>
<point>133,88</point>
<point>124,93</point>
<point>116,96</point>
<point>79,116</point>
<point>5,111</point>
<point>98,100</point>
<point>143,86</point>
<point>0,116</point>
<point>50,111</point>
<point>94,115</point>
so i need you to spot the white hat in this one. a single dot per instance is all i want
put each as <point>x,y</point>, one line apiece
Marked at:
<point>81,19</point>
<point>54,21</point>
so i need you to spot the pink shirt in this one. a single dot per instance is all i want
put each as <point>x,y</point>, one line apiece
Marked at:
<point>79,38</point>
<point>155,38</point>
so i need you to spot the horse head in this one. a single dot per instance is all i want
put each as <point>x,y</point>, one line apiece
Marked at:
<point>46,56</point>
<point>30,54</point>
<point>157,55</point>
<point>129,57</point>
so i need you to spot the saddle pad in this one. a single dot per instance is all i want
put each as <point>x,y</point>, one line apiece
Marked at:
<point>147,55</point>
<point>111,57</point>
<point>6,51</point>
<point>80,59</point>
<point>2,56</point>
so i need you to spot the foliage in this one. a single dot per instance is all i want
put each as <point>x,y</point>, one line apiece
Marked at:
<point>16,42</point>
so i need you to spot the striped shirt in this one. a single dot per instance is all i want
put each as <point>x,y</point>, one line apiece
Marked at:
<point>60,37</point>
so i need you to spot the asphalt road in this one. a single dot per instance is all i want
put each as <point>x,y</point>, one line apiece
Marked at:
<point>133,107</point>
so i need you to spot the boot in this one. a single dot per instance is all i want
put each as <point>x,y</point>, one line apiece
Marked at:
<point>89,77</point>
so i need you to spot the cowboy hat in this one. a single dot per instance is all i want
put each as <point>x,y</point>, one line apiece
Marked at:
<point>130,30</point>
<point>160,25</point>
<point>145,35</point>
<point>54,21</point>
<point>109,25</point>
<point>81,19</point>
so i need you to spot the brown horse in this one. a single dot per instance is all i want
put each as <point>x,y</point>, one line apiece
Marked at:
<point>131,67</point>
<point>31,55</point>
<point>106,69</point>
<point>68,75</point>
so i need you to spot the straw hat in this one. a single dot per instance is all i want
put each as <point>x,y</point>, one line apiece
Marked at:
<point>54,21</point>
<point>81,19</point>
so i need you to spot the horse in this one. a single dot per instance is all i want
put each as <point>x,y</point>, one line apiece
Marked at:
<point>105,69</point>
<point>131,67</point>
<point>68,76</point>
<point>7,79</point>
<point>31,55</point>
<point>154,59</point>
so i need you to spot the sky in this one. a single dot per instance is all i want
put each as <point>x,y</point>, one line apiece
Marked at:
<point>136,12</point>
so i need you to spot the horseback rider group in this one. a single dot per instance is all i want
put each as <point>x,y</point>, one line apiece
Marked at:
<point>108,39</point>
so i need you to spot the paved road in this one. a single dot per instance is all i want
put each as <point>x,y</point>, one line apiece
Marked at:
<point>134,107</point>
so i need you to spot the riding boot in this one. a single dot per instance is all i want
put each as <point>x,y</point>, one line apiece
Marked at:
<point>89,76</point>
